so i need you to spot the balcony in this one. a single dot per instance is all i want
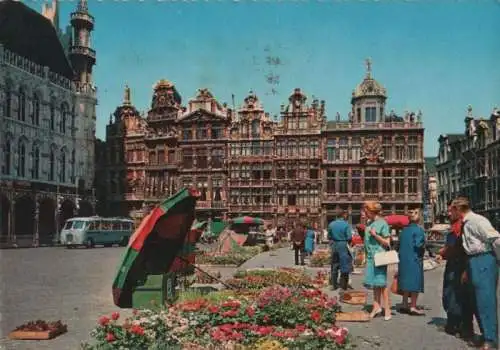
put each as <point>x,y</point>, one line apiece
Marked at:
<point>211,205</point>
<point>82,51</point>
<point>162,166</point>
<point>134,196</point>
<point>250,183</point>
<point>80,16</point>
<point>370,126</point>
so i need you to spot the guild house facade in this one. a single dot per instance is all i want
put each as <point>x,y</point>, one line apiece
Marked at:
<point>47,124</point>
<point>298,167</point>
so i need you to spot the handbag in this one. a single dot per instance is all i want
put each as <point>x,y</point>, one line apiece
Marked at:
<point>395,286</point>
<point>385,258</point>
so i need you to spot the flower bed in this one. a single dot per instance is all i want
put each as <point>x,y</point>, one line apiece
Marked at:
<point>277,316</point>
<point>287,277</point>
<point>320,258</point>
<point>232,258</point>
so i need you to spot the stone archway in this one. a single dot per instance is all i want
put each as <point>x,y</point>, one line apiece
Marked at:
<point>4,218</point>
<point>25,217</point>
<point>46,222</point>
<point>85,209</point>
<point>67,211</point>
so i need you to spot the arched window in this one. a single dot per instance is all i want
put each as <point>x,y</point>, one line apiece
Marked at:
<point>21,105</point>
<point>52,165</point>
<point>255,128</point>
<point>62,167</point>
<point>52,113</point>
<point>36,109</point>
<point>73,164</point>
<point>8,103</point>
<point>21,164</point>
<point>64,114</point>
<point>6,157</point>
<point>35,170</point>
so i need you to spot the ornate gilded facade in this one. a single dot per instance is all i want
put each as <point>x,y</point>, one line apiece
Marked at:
<point>298,167</point>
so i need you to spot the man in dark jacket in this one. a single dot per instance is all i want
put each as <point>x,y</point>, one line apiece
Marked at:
<point>298,239</point>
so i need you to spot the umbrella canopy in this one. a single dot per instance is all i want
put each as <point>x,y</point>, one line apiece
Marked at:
<point>155,244</point>
<point>397,221</point>
<point>247,220</point>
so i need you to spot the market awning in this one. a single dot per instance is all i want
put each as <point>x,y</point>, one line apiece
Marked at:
<point>247,220</point>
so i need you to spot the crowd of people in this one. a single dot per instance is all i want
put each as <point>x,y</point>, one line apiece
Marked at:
<point>470,277</point>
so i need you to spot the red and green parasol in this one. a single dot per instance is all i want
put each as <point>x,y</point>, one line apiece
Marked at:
<point>161,237</point>
<point>247,220</point>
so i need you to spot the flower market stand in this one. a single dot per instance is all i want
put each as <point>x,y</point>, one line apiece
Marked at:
<point>155,291</point>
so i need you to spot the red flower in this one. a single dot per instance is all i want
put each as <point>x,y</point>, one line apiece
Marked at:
<point>340,339</point>
<point>115,316</point>
<point>103,320</point>
<point>213,309</point>
<point>315,316</point>
<point>300,327</point>
<point>250,311</point>
<point>266,319</point>
<point>321,333</point>
<point>263,330</point>
<point>135,329</point>
<point>230,313</point>
<point>110,337</point>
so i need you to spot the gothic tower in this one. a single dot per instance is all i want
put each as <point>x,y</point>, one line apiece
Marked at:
<point>83,58</point>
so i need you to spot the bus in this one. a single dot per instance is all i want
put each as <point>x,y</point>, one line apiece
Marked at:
<point>95,230</point>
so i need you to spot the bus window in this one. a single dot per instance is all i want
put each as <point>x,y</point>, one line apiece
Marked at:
<point>68,225</point>
<point>116,226</point>
<point>93,226</point>
<point>79,225</point>
<point>105,226</point>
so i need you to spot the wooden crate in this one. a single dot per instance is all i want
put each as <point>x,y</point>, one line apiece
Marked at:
<point>353,316</point>
<point>37,335</point>
<point>354,297</point>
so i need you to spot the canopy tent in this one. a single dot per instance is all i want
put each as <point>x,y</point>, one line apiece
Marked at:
<point>230,241</point>
<point>249,220</point>
<point>162,241</point>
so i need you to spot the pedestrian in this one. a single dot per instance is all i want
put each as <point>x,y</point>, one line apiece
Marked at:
<point>309,241</point>
<point>298,236</point>
<point>411,262</point>
<point>340,236</point>
<point>377,239</point>
<point>458,297</point>
<point>478,236</point>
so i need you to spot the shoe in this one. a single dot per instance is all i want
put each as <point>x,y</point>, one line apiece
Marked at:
<point>416,312</point>
<point>488,346</point>
<point>387,318</point>
<point>374,313</point>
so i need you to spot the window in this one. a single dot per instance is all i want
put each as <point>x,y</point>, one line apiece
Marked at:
<point>21,105</point>
<point>400,148</point>
<point>343,149</point>
<point>292,199</point>
<point>399,180</point>
<point>52,114</point>
<point>331,150</point>
<point>217,158</point>
<point>268,148</point>
<point>315,200</point>
<point>187,134</point>
<point>314,148</point>
<point>387,181</point>
<point>255,128</point>
<point>52,165</point>
<point>313,173</point>
<point>413,152</point>
<point>73,165</point>
<point>331,178</point>
<point>245,149</point>
<point>343,181</point>
<point>201,159</point>
<point>171,157</point>
<point>413,181</point>
<point>280,149</point>
<point>370,114</point>
<point>280,172</point>
<point>387,148</point>
<point>217,132</point>
<point>64,115</point>
<point>371,181</point>
<point>292,149</point>
<point>161,156</point>
<point>356,181</point>
<point>203,188</point>
<point>35,170</point>
<point>291,173</point>
<point>62,167</point>
<point>36,110</point>
<point>152,157</point>
<point>217,188</point>
<point>255,148</point>
<point>187,158</point>
<point>355,148</point>
<point>303,148</point>
<point>303,123</point>
<point>281,197</point>
<point>21,164</point>
<point>201,132</point>
<point>8,103</point>
<point>358,115</point>
<point>7,149</point>
<point>79,225</point>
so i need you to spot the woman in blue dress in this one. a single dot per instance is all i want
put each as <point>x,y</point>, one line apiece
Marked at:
<point>377,239</point>
<point>309,243</point>
<point>411,262</point>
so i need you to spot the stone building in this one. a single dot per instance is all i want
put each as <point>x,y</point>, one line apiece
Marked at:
<point>298,168</point>
<point>469,164</point>
<point>47,122</point>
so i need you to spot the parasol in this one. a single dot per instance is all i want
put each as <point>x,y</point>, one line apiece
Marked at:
<point>159,239</point>
<point>397,221</point>
<point>247,220</point>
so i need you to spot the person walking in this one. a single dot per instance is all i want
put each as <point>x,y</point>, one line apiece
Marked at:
<point>411,262</point>
<point>377,239</point>
<point>309,241</point>
<point>478,236</point>
<point>339,236</point>
<point>298,237</point>
<point>457,298</point>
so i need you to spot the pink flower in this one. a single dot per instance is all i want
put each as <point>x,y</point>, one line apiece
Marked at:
<point>110,337</point>
<point>115,316</point>
<point>103,320</point>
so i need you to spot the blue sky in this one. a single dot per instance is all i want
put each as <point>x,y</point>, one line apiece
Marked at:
<point>434,56</point>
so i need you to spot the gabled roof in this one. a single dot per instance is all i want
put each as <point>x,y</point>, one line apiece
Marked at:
<point>29,34</point>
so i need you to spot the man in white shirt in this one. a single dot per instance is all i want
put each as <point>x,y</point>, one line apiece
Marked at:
<point>478,239</point>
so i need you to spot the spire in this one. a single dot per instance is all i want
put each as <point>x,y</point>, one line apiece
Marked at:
<point>126,96</point>
<point>82,6</point>
<point>368,63</point>
<point>51,12</point>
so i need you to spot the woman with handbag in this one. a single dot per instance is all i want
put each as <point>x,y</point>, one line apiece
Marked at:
<point>377,240</point>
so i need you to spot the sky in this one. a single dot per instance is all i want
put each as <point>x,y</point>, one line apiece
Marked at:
<point>433,56</point>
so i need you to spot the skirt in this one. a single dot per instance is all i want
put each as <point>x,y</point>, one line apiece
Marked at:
<point>375,277</point>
